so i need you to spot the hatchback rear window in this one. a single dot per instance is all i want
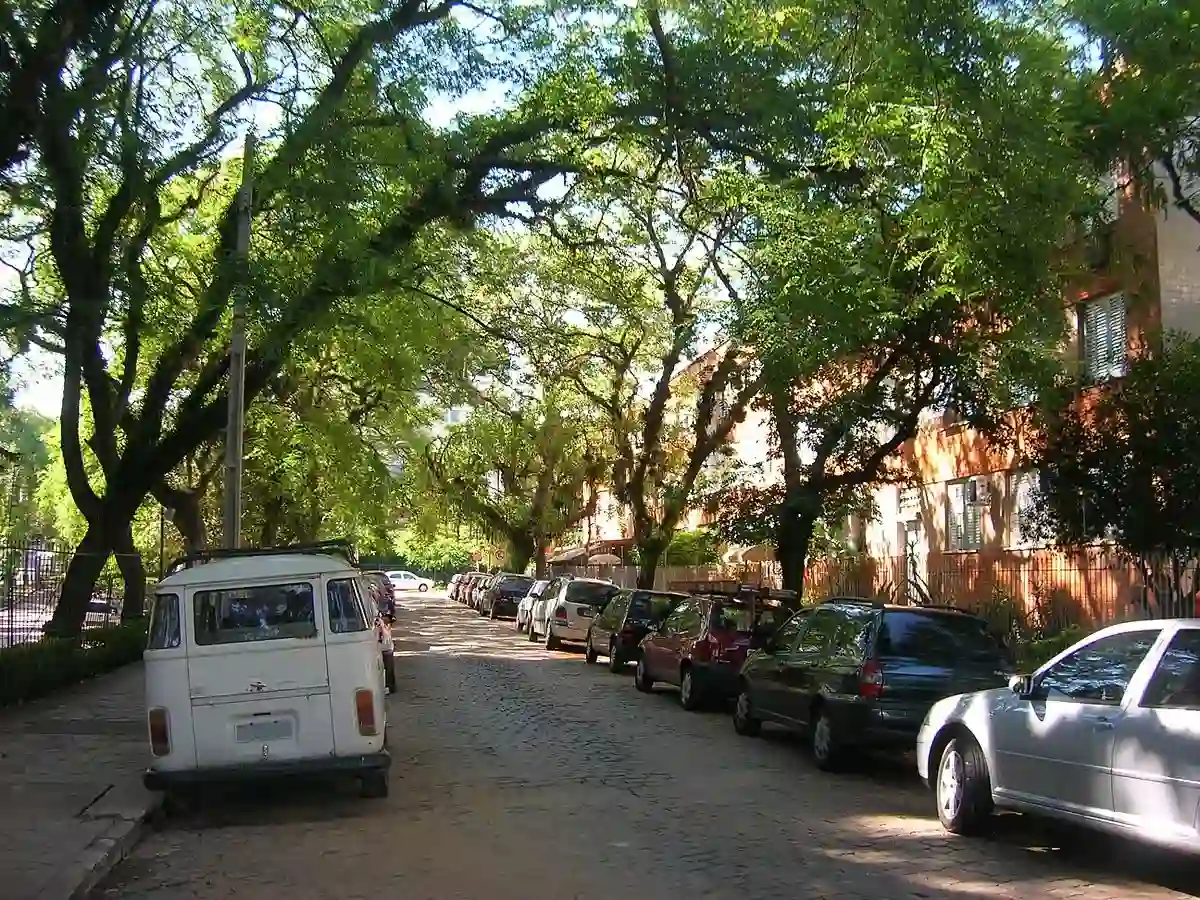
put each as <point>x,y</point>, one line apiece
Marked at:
<point>590,592</point>
<point>731,617</point>
<point>516,586</point>
<point>645,606</point>
<point>936,637</point>
<point>241,615</point>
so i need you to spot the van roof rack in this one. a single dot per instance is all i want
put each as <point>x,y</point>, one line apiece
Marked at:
<point>342,547</point>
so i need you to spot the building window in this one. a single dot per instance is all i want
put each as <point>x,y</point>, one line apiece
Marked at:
<point>1022,495</point>
<point>965,504</point>
<point>1103,340</point>
<point>909,503</point>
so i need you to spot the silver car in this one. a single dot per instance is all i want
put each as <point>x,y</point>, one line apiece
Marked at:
<point>565,610</point>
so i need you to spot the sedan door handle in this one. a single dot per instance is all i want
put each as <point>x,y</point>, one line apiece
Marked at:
<point>1101,723</point>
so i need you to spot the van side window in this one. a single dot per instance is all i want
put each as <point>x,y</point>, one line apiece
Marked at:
<point>164,622</point>
<point>346,610</point>
<point>266,613</point>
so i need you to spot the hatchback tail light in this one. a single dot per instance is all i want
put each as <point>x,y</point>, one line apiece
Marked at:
<point>561,613</point>
<point>364,709</point>
<point>870,680</point>
<point>160,731</point>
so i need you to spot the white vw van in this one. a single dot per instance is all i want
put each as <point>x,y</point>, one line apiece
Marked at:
<point>265,662</point>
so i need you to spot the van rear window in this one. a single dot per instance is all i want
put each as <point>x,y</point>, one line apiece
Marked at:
<point>241,615</point>
<point>163,633</point>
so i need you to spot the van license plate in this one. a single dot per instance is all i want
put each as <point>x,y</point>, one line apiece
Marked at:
<point>265,730</point>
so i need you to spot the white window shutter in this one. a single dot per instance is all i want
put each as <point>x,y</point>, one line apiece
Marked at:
<point>1115,335</point>
<point>954,515</point>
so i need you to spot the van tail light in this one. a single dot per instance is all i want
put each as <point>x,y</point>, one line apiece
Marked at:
<point>561,613</point>
<point>160,731</point>
<point>870,680</point>
<point>364,709</point>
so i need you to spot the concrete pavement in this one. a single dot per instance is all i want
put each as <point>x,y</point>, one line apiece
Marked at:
<point>526,775</point>
<point>71,799</point>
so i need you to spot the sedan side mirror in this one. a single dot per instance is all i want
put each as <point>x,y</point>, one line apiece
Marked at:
<point>1021,685</point>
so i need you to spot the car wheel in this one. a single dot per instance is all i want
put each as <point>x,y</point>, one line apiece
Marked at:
<point>422,587</point>
<point>744,722</point>
<point>689,694</point>
<point>615,663</point>
<point>641,679</point>
<point>375,785</point>
<point>589,653</point>
<point>963,788</point>
<point>552,643</point>
<point>824,742</point>
<point>532,633</point>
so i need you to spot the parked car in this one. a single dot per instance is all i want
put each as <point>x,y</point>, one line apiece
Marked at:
<point>537,609</point>
<point>478,589</point>
<point>629,616</point>
<point>701,645</point>
<point>567,611</point>
<point>263,663</point>
<point>863,674</point>
<point>407,581</point>
<point>1103,735</point>
<point>452,585</point>
<point>383,589</point>
<point>463,591</point>
<point>525,607</point>
<point>503,595</point>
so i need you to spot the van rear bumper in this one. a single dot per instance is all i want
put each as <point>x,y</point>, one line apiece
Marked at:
<point>156,780</point>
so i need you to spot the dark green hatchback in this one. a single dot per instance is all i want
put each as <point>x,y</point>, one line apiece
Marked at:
<point>858,673</point>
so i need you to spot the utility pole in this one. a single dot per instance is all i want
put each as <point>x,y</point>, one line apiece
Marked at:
<point>235,424</point>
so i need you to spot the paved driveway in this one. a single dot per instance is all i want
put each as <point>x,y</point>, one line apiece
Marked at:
<point>527,775</point>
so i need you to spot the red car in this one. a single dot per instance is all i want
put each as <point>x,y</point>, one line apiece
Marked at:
<point>701,646</point>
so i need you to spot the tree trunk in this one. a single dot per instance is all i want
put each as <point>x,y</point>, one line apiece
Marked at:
<point>793,533</point>
<point>272,518</point>
<point>188,519</point>
<point>540,566</point>
<point>80,581</point>
<point>650,552</point>
<point>521,549</point>
<point>133,574</point>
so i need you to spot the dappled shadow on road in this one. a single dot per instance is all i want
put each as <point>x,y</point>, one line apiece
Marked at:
<point>493,738</point>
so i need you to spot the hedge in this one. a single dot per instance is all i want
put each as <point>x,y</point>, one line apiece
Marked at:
<point>34,670</point>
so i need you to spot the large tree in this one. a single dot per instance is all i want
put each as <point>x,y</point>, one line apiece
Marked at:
<point>909,264</point>
<point>1119,463</point>
<point>349,179</point>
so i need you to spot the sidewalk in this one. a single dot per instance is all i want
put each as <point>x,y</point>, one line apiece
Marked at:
<point>71,799</point>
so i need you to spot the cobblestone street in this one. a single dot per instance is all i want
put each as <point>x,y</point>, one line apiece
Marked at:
<point>526,775</point>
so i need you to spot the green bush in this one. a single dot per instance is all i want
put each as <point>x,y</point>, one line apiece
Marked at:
<point>34,670</point>
<point>1032,654</point>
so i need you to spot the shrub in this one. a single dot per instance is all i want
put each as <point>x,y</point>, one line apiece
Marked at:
<point>34,670</point>
<point>1031,654</point>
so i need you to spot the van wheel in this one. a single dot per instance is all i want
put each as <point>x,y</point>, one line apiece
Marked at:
<point>374,785</point>
<point>963,788</point>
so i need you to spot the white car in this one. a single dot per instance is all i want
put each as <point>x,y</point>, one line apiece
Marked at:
<point>1104,735</point>
<point>565,610</point>
<point>525,607</point>
<point>407,581</point>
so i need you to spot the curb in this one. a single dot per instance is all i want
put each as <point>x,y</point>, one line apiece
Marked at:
<point>77,878</point>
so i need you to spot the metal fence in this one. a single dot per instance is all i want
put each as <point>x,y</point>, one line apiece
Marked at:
<point>1091,586</point>
<point>33,575</point>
